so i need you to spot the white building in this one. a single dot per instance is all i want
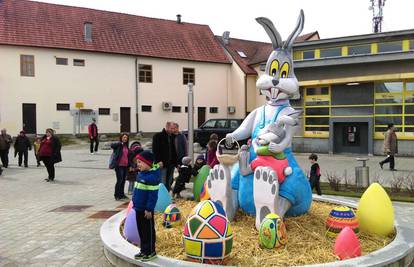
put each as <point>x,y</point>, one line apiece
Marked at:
<point>129,72</point>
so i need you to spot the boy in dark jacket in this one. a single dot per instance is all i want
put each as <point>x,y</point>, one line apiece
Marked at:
<point>315,174</point>
<point>21,146</point>
<point>184,176</point>
<point>144,199</point>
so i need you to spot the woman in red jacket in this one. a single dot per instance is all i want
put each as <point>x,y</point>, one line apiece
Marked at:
<point>49,153</point>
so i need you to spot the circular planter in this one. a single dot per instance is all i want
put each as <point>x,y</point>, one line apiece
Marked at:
<point>400,252</point>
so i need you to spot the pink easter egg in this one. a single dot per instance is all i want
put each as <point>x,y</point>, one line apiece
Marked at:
<point>347,244</point>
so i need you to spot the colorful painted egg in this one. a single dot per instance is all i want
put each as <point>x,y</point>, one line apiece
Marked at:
<point>375,212</point>
<point>339,218</point>
<point>272,232</point>
<point>204,195</point>
<point>208,237</point>
<point>172,216</point>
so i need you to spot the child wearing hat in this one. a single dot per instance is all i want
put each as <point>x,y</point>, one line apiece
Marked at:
<point>144,199</point>
<point>184,176</point>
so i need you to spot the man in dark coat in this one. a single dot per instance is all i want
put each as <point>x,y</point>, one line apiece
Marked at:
<point>165,155</point>
<point>21,146</point>
<point>5,141</point>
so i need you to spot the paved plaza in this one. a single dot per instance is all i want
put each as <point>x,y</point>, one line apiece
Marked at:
<point>36,230</point>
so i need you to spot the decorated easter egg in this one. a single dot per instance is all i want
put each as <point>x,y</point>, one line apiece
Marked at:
<point>204,195</point>
<point>339,218</point>
<point>164,199</point>
<point>130,206</point>
<point>172,216</point>
<point>131,228</point>
<point>347,245</point>
<point>199,181</point>
<point>375,212</point>
<point>208,237</point>
<point>272,232</point>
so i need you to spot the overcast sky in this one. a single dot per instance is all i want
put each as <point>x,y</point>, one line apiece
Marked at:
<point>331,18</point>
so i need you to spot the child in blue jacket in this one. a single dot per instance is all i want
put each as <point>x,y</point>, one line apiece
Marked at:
<point>144,198</point>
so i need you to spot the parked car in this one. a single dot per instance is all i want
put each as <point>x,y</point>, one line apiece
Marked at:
<point>221,127</point>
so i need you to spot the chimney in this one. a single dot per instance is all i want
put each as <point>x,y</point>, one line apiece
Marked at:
<point>178,18</point>
<point>226,37</point>
<point>87,32</point>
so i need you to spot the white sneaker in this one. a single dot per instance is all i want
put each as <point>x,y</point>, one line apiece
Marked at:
<point>91,153</point>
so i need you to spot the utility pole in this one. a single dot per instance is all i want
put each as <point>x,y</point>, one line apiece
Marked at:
<point>190,112</point>
<point>377,17</point>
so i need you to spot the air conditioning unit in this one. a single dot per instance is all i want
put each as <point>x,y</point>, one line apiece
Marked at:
<point>231,109</point>
<point>166,105</point>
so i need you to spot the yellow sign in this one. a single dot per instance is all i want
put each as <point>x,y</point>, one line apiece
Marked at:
<point>79,104</point>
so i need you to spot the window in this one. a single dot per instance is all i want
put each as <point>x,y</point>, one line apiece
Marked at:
<point>88,32</point>
<point>241,54</point>
<point>316,111</point>
<point>79,62</point>
<point>61,61</point>
<point>27,65</point>
<point>309,54</point>
<point>145,73</point>
<point>210,124</point>
<point>188,76</point>
<point>60,106</point>
<point>221,124</point>
<point>331,52</point>
<point>214,110</point>
<point>104,111</point>
<point>388,92</point>
<point>234,124</point>
<point>359,50</point>
<point>176,109</point>
<point>411,44</point>
<point>390,47</point>
<point>146,108</point>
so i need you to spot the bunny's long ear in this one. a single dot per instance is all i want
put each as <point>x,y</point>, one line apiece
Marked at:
<point>298,29</point>
<point>271,31</point>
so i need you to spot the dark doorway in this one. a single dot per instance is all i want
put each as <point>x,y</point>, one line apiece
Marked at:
<point>351,137</point>
<point>29,118</point>
<point>125,120</point>
<point>201,115</point>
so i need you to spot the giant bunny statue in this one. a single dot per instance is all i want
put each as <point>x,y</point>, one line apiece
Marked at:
<point>275,184</point>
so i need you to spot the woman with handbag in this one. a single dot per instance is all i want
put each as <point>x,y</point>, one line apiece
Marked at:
<point>120,162</point>
<point>49,153</point>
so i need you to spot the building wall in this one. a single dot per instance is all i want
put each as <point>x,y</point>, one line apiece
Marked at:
<point>108,81</point>
<point>310,145</point>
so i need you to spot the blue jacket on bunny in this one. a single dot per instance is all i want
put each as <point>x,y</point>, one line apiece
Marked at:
<point>146,189</point>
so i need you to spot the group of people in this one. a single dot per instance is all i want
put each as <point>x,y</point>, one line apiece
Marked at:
<point>46,149</point>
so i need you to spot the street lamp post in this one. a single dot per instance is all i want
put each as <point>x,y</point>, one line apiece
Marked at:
<point>190,122</point>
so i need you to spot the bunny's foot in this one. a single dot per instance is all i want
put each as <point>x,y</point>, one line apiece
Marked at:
<point>265,192</point>
<point>219,188</point>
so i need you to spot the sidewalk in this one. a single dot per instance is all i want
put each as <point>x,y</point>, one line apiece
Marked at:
<point>32,234</point>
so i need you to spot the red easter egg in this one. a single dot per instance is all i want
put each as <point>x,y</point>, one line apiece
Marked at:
<point>347,244</point>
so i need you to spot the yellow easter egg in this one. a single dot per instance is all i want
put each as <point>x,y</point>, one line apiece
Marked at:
<point>375,212</point>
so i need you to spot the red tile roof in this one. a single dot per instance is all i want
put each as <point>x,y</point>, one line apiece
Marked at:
<point>256,52</point>
<point>30,23</point>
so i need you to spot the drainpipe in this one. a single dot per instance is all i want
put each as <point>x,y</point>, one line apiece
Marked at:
<point>136,93</point>
<point>245,95</point>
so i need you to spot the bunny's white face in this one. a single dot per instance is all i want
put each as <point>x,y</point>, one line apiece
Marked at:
<point>279,81</point>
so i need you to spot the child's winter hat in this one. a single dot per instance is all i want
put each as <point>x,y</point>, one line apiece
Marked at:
<point>146,156</point>
<point>186,160</point>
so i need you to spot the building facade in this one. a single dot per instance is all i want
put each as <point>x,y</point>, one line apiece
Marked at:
<point>62,66</point>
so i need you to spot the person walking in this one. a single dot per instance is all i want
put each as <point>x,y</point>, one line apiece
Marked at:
<point>49,153</point>
<point>120,161</point>
<point>5,142</point>
<point>315,174</point>
<point>22,146</point>
<point>180,143</point>
<point>390,147</point>
<point>93,136</point>
<point>165,155</point>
